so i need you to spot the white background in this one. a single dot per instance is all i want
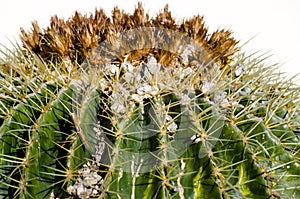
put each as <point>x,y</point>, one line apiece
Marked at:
<point>274,24</point>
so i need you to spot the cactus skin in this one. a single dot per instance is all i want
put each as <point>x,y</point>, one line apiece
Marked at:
<point>37,142</point>
<point>49,124</point>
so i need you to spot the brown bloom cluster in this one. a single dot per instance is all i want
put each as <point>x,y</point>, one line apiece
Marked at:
<point>76,37</point>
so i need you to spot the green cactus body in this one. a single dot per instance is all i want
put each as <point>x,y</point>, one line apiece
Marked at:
<point>149,124</point>
<point>31,142</point>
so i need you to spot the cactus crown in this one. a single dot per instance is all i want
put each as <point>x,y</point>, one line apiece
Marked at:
<point>76,37</point>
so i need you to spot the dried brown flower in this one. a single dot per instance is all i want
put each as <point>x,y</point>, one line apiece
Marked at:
<point>76,37</point>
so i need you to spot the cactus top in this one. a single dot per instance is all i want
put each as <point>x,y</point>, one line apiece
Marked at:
<point>76,37</point>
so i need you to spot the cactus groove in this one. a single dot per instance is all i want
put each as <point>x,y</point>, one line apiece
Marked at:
<point>152,123</point>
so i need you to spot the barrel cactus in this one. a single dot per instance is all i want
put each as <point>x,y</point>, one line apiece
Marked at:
<point>139,107</point>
